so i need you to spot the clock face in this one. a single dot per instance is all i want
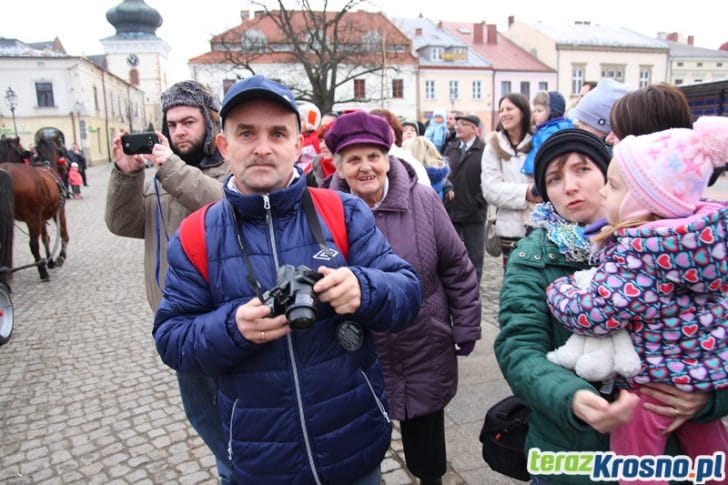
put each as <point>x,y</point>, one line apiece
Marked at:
<point>132,60</point>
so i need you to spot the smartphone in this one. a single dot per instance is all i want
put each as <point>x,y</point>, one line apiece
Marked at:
<point>139,143</point>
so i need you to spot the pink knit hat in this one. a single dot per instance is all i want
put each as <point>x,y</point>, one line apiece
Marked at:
<point>666,172</point>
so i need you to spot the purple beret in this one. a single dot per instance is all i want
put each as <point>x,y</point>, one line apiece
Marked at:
<point>358,128</point>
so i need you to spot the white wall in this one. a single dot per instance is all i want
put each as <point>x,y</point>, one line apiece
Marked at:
<point>292,75</point>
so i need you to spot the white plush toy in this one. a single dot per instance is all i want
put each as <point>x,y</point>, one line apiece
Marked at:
<point>597,358</point>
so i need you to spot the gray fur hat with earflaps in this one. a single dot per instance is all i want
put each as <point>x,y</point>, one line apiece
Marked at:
<point>192,93</point>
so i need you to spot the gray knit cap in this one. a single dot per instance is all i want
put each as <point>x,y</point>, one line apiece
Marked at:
<point>192,93</point>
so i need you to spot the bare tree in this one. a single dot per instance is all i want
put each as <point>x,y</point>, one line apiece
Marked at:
<point>331,48</point>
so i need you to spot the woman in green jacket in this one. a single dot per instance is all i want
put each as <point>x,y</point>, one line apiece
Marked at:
<point>567,412</point>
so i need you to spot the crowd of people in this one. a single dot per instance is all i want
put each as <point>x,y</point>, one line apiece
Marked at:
<point>388,272</point>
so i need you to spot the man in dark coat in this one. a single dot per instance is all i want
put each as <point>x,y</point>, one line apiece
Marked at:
<point>76,156</point>
<point>465,203</point>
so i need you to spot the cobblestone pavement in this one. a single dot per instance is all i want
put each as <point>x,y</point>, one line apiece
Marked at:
<point>85,399</point>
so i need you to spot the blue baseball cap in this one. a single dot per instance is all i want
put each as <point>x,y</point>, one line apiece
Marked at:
<point>258,87</point>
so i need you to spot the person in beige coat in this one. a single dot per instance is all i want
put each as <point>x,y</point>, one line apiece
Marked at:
<point>189,174</point>
<point>503,184</point>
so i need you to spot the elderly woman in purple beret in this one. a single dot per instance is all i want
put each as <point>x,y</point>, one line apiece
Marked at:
<point>420,364</point>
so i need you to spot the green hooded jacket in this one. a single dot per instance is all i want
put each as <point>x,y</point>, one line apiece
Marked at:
<point>528,332</point>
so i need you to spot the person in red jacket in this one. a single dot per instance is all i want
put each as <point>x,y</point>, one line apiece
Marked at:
<point>75,179</point>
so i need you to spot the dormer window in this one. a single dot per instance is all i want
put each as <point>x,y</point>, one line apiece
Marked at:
<point>372,41</point>
<point>253,40</point>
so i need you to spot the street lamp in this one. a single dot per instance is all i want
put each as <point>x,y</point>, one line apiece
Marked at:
<point>12,101</point>
<point>76,111</point>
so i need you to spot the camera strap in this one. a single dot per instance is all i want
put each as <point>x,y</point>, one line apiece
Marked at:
<point>252,280</point>
<point>313,222</point>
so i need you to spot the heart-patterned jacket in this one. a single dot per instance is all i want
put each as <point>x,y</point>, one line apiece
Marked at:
<point>666,282</point>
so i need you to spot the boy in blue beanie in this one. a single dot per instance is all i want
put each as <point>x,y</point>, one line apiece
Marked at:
<point>548,118</point>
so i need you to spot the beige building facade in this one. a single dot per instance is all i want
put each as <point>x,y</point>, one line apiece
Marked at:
<point>87,103</point>
<point>584,52</point>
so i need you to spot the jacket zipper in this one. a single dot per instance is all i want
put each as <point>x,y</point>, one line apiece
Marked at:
<point>230,438</point>
<point>289,340</point>
<point>374,394</point>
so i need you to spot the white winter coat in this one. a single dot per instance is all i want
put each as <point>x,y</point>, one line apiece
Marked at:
<point>503,184</point>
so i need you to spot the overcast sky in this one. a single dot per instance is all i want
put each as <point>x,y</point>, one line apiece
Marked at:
<point>189,24</point>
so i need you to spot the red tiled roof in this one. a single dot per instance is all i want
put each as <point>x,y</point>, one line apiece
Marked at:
<point>352,27</point>
<point>504,54</point>
<point>358,23</point>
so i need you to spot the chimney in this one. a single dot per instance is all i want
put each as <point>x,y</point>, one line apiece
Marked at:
<point>691,39</point>
<point>492,34</point>
<point>478,33</point>
<point>672,36</point>
<point>439,24</point>
<point>418,31</point>
<point>511,20</point>
<point>244,15</point>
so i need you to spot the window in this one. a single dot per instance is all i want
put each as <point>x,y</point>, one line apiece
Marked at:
<point>436,54</point>
<point>96,98</point>
<point>360,89</point>
<point>397,88</point>
<point>526,89</point>
<point>577,79</point>
<point>700,64</point>
<point>429,89</point>
<point>134,77</point>
<point>679,64</point>
<point>645,76</point>
<point>718,64</point>
<point>372,41</point>
<point>453,90</point>
<point>44,93</point>
<point>505,87</point>
<point>678,82</point>
<point>477,90</point>
<point>613,71</point>
<point>253,40</point>
<point>543,86</point>
<point>226,85</point>
<point>314,40</point>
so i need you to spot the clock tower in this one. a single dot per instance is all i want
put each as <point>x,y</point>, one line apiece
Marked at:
<point>136,54</point>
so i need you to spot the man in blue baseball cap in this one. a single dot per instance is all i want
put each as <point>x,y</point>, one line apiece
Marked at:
<point>297,406</point>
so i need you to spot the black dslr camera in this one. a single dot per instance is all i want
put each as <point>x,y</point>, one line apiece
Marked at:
<point>293,296</point>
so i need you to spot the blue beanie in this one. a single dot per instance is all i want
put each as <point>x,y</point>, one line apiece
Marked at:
<point>557,105</point>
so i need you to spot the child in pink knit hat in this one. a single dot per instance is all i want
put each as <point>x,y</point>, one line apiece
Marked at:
<point>663,278</point>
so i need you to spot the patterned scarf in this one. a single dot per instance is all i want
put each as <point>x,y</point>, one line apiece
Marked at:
<point>568,236</point>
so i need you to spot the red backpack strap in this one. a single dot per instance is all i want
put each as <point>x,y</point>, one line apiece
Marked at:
<point>192,239</point>
<point>329,205</point>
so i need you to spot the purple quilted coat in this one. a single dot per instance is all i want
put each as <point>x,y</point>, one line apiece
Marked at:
<point>419,363</point>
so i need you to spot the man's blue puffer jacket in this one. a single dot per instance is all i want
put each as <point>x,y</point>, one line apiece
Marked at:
<point>299,409</point>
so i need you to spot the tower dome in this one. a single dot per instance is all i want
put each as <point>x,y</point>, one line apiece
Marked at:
<point>134,18</point>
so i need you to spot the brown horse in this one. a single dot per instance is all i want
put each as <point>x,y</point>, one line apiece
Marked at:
<point>11,150</point>
<point>38,196</point>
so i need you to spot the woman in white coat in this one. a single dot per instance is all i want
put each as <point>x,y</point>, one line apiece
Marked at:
<point>504,186</point>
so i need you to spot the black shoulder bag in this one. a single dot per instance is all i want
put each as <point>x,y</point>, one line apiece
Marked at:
<point>504,435</point>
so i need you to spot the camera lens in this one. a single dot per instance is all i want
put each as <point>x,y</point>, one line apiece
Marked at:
<point>301,313</point>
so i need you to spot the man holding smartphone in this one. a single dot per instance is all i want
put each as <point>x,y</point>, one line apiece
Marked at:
<point>189,174</point>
